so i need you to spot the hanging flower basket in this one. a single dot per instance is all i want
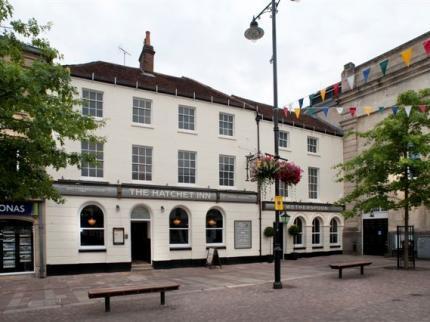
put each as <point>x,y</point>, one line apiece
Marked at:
<point>263,169</point>
<point>289,173</point>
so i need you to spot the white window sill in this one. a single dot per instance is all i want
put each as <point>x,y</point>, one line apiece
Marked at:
<point>183,184</point>
<point>227,187</point>
<point>90,249</point>
<point>142,181</point>
<point>227,137</point>
<point>314,154</point>
<point>92,178</point>
<point>180,246</point>
<point>314,200</point>
<point>187,132</point>
<point>142,125</point>
<point>285,149</point>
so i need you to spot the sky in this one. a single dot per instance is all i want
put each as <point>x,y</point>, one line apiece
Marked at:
<point>204,39</point>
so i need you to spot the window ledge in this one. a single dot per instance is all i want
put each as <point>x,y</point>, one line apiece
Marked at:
<point>227,137</point>
<point>141,181</point>
<point>92,250</point>
<point>227,187</point>
<point>314,154</point>
<point>317,247</point>
<point>335,246</point>
<point>102,179</point>
<point>142,125</point>
<point>299,248</point>
<point>187,132</point>
<point>215,246</point>
<point>180,248</point>
<point>285,149</point>
<point>184,184</point>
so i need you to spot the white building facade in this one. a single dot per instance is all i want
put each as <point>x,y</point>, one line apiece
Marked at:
<point>171,178</point>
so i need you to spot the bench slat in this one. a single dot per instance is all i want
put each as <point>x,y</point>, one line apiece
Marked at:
<point>348,265</point>
<point>132,289</point>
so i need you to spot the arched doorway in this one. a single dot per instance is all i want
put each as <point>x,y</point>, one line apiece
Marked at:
<point>140,234</point>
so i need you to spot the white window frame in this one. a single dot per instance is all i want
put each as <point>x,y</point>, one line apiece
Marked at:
<point>317,233</point>
<point>222,131</point>
<point>188,229</point>
<point>334,233</point>
<point>189,168</point>
<point>100,161</point>
<point>220,172</point>
<point>98,247</point>
<point>311,191</point>
<point>283,189</point>
<point>222,228</point>
<point>310,145</point>
<point>96,101</point>
<point>193,116</point>
<point>286,139</point>
<point>141,111</point>
<point>301,233</point>
<point>145,157</point>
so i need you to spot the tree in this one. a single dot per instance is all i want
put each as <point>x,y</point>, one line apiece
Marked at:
<point>393,172</point>
<point>37,112</point>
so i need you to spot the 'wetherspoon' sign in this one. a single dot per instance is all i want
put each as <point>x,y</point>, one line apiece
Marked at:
<point>16,209</point>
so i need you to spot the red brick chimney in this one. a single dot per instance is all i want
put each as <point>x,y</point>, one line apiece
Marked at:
<point>146,58</point>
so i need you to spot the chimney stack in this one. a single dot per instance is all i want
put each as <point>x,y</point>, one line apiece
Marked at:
<point>146,58</point>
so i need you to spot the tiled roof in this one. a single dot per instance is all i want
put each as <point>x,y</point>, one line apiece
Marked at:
<point>187,87</point>
<point>304,121</point>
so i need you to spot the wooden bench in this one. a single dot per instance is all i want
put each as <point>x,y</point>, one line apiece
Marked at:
<point>108,292</point>
<point>341,266</point>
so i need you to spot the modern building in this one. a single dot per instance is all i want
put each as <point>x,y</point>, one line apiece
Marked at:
<point>373,87</point>
<point>171,178</point>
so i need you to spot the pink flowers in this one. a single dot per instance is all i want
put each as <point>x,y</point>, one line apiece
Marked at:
<point>265,169</point>
<point>289,173</point>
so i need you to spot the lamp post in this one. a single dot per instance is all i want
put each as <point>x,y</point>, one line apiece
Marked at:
<point>253,33</point>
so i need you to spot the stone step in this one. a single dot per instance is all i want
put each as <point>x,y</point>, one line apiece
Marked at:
<point>140,267</point>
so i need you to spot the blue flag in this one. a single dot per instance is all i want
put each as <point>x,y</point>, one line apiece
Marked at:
<point>366,73</point>
<point>395,109</point>
<point>301,102</point>
<point>325,110</point>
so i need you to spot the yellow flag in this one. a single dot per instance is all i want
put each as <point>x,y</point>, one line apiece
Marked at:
<point>297,112</point>
<point>368,110</point>
<point>407,56</point>
<point>322,93</point>
<point>279,203</point>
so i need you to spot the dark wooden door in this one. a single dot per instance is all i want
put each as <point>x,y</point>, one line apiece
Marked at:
<point>140,242</point>
<point>375,236</point>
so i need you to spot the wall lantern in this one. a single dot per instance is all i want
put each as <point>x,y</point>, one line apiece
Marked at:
<point>284,218</point>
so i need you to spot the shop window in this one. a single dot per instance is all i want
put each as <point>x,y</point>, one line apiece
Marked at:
<point>92,227</point>
<point>334,231</point>
<point>298,239</point>
<point>214,227</point>
<point>316,231</point>
<point>179,227</point>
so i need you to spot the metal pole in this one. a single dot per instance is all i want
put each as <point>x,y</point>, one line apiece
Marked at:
<point>277,249</point>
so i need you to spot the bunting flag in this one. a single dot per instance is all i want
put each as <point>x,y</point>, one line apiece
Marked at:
<point>352,110</point>
<point>368,110</point>
<point>336,89</point>
<point>301,102</point>
<point>310,110</point>
<point>286,112</point>
<point>325,110</point>
<point>422,108</point>
<point>366,73</point>
<point>322,93</point>
<point>339,109</point>
<point>311,96</point>
<point>407,56</point>
<point>408,109</point>
<point>350,80</point>
<point>395,109</point>
<point>426,45</point>
<point>381,109</point>
<point>384,65</point>
<point>297,112</point>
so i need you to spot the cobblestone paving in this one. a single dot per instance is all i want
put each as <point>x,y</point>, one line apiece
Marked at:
<point>238,292</point>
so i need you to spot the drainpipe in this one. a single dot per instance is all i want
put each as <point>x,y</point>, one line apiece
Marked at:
<point>257,120</point>
<point>42,250</point>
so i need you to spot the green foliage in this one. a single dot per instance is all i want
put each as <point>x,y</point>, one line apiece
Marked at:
<point>294,230</point>
<point>388,173</point>
<point>269,232</point>
<point>37,111</point>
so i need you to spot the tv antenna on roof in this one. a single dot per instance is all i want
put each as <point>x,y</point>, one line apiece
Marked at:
<point>124,52</point>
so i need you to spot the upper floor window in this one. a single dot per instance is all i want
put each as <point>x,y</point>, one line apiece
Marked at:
<point>226,170</point>
<point>226,124</point>
<point>92,226</point>
<point>214,227</point>
<point>92,103</point>
<point>312,144</point>
<point>186,118</point>
<point>283,139</point>
<point>283,189</point>
<point>313,176</point>
<point>186,167</point>
<point>141,162</point>
<point>141,110</point>
<point>95,168</point>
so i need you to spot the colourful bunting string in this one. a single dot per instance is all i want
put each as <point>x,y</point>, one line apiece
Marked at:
<point>301,102</point>
<point>407,56</point>
<point>311,96</point>
<point>395,109</point>
<point>336,89</point>
<point>297,112</point>
<point>352,110</point>
<point>368,110</point>
<point>384,65</point>
<point>408,109</point>
<point>381,109</point>
<point>339,110</point>
<point>325,110</point>
<point>350,80</point>
<point>366,73</point>
<point>322,93</point>
<point>310,110</point>
<point>426,45</point>
<point>422,108</point>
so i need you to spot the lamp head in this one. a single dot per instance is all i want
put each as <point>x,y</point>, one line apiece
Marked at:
<point>254,32</point>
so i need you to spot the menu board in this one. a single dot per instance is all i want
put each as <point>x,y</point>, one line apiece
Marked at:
<point>242,234</point>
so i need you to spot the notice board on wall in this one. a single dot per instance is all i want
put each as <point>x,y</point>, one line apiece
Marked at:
<point>242,234</point>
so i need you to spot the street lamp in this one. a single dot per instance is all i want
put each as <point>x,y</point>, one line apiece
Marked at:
<point>253,33</point>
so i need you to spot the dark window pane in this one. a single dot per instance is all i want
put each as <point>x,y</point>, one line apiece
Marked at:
<point>178,236</point>
<point>92,217</point>
<point>92,237</point>
<point>213,236</point>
